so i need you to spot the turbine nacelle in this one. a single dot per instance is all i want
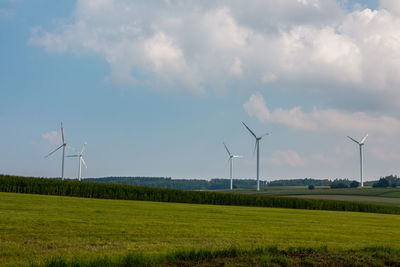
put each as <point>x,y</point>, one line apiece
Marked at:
<point>81,160</point>
<point>360,144</point>
<point>256,147</point>
<point>63,146</point>
<point>230,160</point>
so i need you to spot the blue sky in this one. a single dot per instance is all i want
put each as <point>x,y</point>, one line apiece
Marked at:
<point>155,87</point>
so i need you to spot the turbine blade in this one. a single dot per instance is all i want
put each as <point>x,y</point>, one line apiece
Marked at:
<point>84,163</point>
<point>249,130</point>
<point>265,134</point>
<point>62,133</point>
<point>53,151</point>
<point>72,156</point>
<point>83,148</point>
<point>363,140</point>
<point>238,156</point>
<point>227,150</point>
<point>255,147</point>
<point>353,140</point>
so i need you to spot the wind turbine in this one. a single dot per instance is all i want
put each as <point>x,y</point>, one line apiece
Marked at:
<point>361,144</point>
<point>81,160</point>
<point>257,146</point>
<point>63,151</point>
<point>231,157</point>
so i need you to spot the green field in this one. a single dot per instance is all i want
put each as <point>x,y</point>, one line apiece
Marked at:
<point>302,190</point>
<point>381,196</point>
<point>34,228</point>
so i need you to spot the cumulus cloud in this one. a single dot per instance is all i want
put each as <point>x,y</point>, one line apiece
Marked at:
<point>53,137</point>
<point>321,119</point>
<point>308,45</point>
<point>392,6</point>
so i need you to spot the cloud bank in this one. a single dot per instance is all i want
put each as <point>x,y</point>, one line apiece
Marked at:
<point>309,46</point>
<point>321,119</point>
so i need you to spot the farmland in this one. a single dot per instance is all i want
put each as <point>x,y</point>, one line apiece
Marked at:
<point>368,195</point>
<point>34,228</point>
<point>127,192</point>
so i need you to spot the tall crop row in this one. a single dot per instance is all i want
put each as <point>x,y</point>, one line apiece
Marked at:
<point>118,191</point>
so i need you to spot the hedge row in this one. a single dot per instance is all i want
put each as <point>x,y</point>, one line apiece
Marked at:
<point>127,192</point>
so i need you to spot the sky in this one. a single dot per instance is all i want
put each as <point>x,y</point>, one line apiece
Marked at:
<point>156,87</point>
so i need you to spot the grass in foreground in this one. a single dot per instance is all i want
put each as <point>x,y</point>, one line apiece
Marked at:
<point>35,228</point>
<point>261,256</point>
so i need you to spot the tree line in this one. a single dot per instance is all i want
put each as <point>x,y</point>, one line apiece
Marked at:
<point>188,184</point>
<point>221,183</point>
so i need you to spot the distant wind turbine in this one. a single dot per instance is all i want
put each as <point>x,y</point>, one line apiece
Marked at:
<point>81,160</point>
<point>231,157</point>
<point>257,146</point>
<point>63,151</point>
<point>361,144</point>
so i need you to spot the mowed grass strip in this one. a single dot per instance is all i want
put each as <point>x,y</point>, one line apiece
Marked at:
<point>34,228</point>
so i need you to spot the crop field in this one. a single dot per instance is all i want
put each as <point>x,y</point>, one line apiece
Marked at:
<point>368,195</point>
<point>387,201</point>
<point>380,196</point>
<point>35,228</point>
<point>302,190</point>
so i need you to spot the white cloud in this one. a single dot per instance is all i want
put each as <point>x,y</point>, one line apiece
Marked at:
<point>392,6</point>
<point>321,119</point>
<point>236,67</point>
<point>53,137</point>
<point>163,53</point>
<point>308,45</point>
<point>288,157</point>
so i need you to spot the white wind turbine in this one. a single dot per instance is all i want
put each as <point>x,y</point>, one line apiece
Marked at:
<point>63,151</point>
<point>231,157</point>
<point>257,146</point>
<point>81,160</point>
<point>361,144</point>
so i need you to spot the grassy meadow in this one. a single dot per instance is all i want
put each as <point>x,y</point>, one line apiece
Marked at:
<point>35,228</point>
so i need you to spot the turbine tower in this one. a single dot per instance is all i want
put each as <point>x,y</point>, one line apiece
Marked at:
<point>257,146</point>
<point>361,144</point>
<point>63,151</point>
<point>81,160</point>
<point>231,157</point>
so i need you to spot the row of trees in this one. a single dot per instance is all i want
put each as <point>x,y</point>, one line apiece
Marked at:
<point>188,184</point>
<point>301,182</point>
<point>220,184</point>
<point>128,192</point>
<point>388,181</point>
